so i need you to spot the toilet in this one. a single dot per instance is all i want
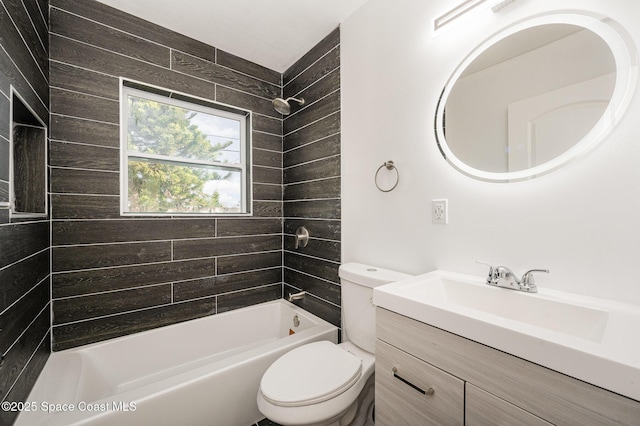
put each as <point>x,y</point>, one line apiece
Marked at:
<point>325,384</point>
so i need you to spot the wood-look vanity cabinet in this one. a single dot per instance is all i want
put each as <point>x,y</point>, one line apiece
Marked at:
<point>428,376</point>
<point>482,408</point>
<point>404,396</point>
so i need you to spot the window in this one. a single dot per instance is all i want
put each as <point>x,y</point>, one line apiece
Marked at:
<point>28,157</point>
<point>182,155</point>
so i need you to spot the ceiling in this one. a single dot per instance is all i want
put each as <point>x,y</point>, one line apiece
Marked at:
<point>272,33</point>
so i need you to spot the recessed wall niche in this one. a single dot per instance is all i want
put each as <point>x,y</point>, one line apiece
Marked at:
<point>28,158</point>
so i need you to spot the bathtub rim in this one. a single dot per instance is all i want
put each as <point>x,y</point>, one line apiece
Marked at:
<point>204,318</point>
<point>170,384</point>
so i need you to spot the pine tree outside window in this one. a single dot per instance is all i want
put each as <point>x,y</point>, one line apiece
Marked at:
<point>182,156</point>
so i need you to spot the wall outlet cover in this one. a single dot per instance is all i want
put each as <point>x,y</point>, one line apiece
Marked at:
<point>439,212</point>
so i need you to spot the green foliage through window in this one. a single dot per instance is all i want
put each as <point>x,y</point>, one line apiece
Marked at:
<point>182,158</point>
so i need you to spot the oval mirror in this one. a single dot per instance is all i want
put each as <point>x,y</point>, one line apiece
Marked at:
<point>534,97</point>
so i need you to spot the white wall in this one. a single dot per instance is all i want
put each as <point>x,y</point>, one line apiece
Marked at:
<point>581,222</point>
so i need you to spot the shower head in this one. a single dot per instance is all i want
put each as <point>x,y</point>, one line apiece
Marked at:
<point>282,105</point>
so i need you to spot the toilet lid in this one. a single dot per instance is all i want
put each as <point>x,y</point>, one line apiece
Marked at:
<point>310,374</point>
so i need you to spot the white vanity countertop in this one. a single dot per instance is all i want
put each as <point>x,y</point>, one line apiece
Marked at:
<point>594,340</point>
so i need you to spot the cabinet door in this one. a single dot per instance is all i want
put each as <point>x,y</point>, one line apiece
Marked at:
<point>484,409</point>
<point>411,392</point>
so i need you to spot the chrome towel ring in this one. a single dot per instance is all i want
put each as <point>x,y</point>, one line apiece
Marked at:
<point>389,166</point>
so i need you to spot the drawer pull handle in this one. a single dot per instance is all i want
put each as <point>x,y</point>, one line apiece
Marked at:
<point>428,392</point>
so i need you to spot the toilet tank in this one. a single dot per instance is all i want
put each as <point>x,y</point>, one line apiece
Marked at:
<point>357,281</point>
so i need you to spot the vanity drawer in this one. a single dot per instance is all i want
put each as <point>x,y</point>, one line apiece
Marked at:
<point>412,392</point>
<point>484,409</point>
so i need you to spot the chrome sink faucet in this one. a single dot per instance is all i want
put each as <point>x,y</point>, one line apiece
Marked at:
<point>501,276</point>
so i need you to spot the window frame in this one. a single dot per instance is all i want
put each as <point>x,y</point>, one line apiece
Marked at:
<point>192,103</point>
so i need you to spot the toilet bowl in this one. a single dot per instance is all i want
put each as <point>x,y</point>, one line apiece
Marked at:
<point>322,383</point>
<point>315,384</point>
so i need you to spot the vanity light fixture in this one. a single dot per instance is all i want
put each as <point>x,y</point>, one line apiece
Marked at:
<point>450,16</point>
<point>467,7</point>
<point>501,5</point>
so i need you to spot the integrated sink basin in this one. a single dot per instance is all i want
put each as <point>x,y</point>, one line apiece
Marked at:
<point>444,290</point>
<point>594,340</point>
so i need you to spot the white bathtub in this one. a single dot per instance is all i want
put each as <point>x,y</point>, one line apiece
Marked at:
<point>200,372</point>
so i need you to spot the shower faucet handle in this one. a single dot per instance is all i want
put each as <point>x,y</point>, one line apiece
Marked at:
<point>301,237</point>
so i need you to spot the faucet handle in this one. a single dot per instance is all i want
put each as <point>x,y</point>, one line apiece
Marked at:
<point>491,274</point>
<point>527,278</point>
<point>301,237</point>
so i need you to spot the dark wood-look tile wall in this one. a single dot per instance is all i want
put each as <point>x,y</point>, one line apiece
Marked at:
<point>111,275</point>
<point>24,244</point>
<point>311,178</point>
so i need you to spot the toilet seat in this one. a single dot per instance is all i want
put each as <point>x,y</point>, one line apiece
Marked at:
<point>310,374</point>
